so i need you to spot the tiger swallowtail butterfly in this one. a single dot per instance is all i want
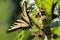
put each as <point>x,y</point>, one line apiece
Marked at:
<point>24,22</point>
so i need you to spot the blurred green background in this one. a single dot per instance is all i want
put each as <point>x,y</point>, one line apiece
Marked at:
<point>7,7</point>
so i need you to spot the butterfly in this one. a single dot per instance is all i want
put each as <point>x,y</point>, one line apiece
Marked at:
<point>24,22</point>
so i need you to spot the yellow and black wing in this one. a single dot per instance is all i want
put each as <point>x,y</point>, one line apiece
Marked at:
<point>23,22</point>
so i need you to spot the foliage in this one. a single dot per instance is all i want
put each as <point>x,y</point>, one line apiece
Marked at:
<point>6,9</point>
